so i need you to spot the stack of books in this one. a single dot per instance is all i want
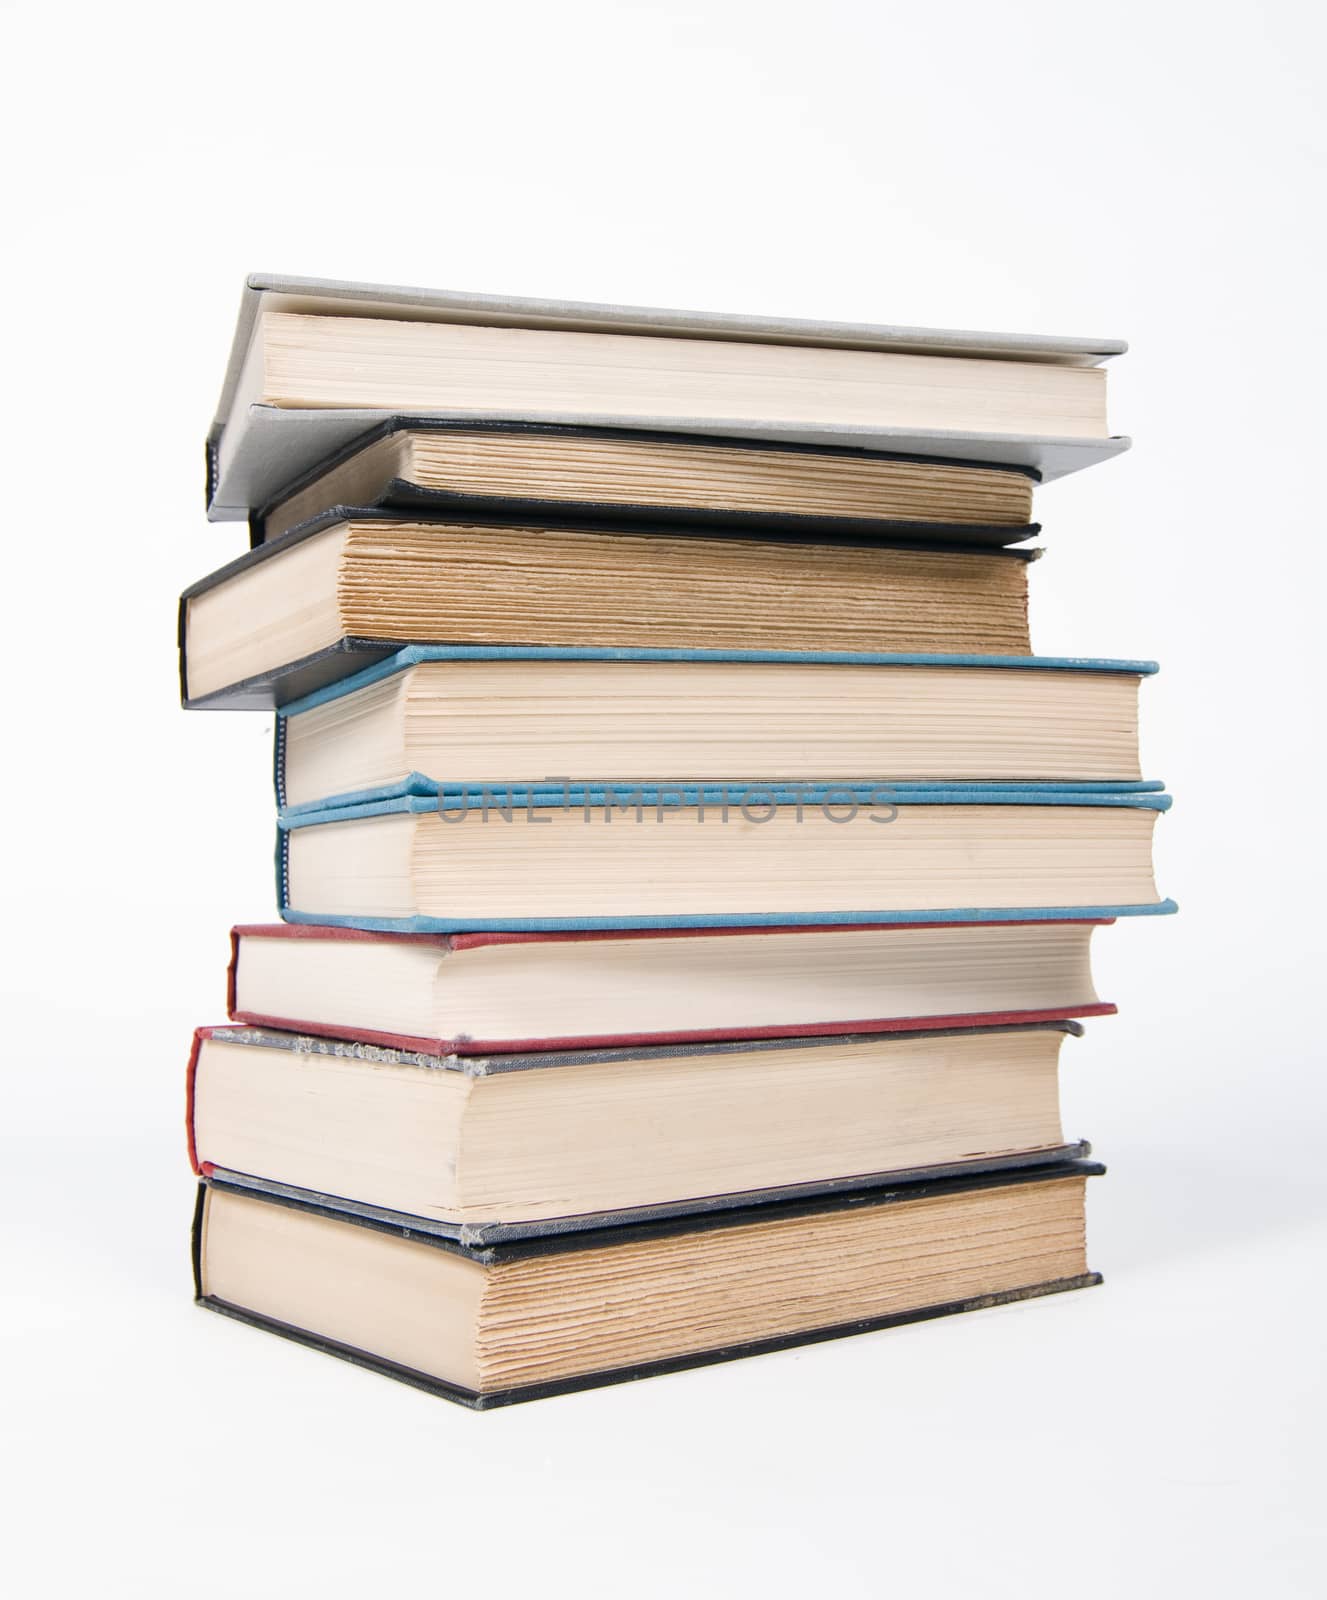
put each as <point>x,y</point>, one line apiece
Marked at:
<point>686,871</point>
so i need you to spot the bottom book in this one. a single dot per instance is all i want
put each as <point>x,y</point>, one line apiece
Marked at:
<point>538,1317</point>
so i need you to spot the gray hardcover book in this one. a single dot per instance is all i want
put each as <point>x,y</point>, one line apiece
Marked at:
<point>255,450</point>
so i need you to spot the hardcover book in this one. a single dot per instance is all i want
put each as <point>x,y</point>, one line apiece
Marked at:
<point>434,718</point>
<point>537,471</point>
<point>494,993</point>
<point>315,363</point>
<point>537,1317</point>
<point>635,857</point>
<point>503,1146</point>
<point>333,596</point>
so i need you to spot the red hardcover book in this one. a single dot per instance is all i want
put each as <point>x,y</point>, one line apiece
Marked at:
<point>495,993</point>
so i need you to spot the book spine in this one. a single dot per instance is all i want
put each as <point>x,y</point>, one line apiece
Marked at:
<point>282,871</point>
<point>190,1086</point>
<point>233,972</point>
<point>279,761</point>
<point>196,1242</point>
<point>211,446</point>
<point>181,633</point>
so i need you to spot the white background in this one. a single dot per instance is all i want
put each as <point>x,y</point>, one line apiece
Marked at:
<point>1153,171</point>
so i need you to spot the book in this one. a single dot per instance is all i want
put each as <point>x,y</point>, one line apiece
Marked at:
<point>632,856</point>
<point>542,470</point>
<point>314,363</point>
<point>432,719</point>
<point>532,1318</point>
<point>299,360</point>
<point>496,993</point>
<point>327,599</point>
<point>507,1145</point>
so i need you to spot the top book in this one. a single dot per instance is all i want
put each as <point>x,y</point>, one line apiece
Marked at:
<point>315,363</point>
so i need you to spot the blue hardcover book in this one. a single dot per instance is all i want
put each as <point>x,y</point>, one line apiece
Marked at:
<point>524,858</point>
<point>450,720</point>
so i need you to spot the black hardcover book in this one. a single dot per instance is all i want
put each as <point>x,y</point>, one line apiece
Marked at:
<point>524,1319</point>
<point>348,588</point>
<point>535,471</point>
